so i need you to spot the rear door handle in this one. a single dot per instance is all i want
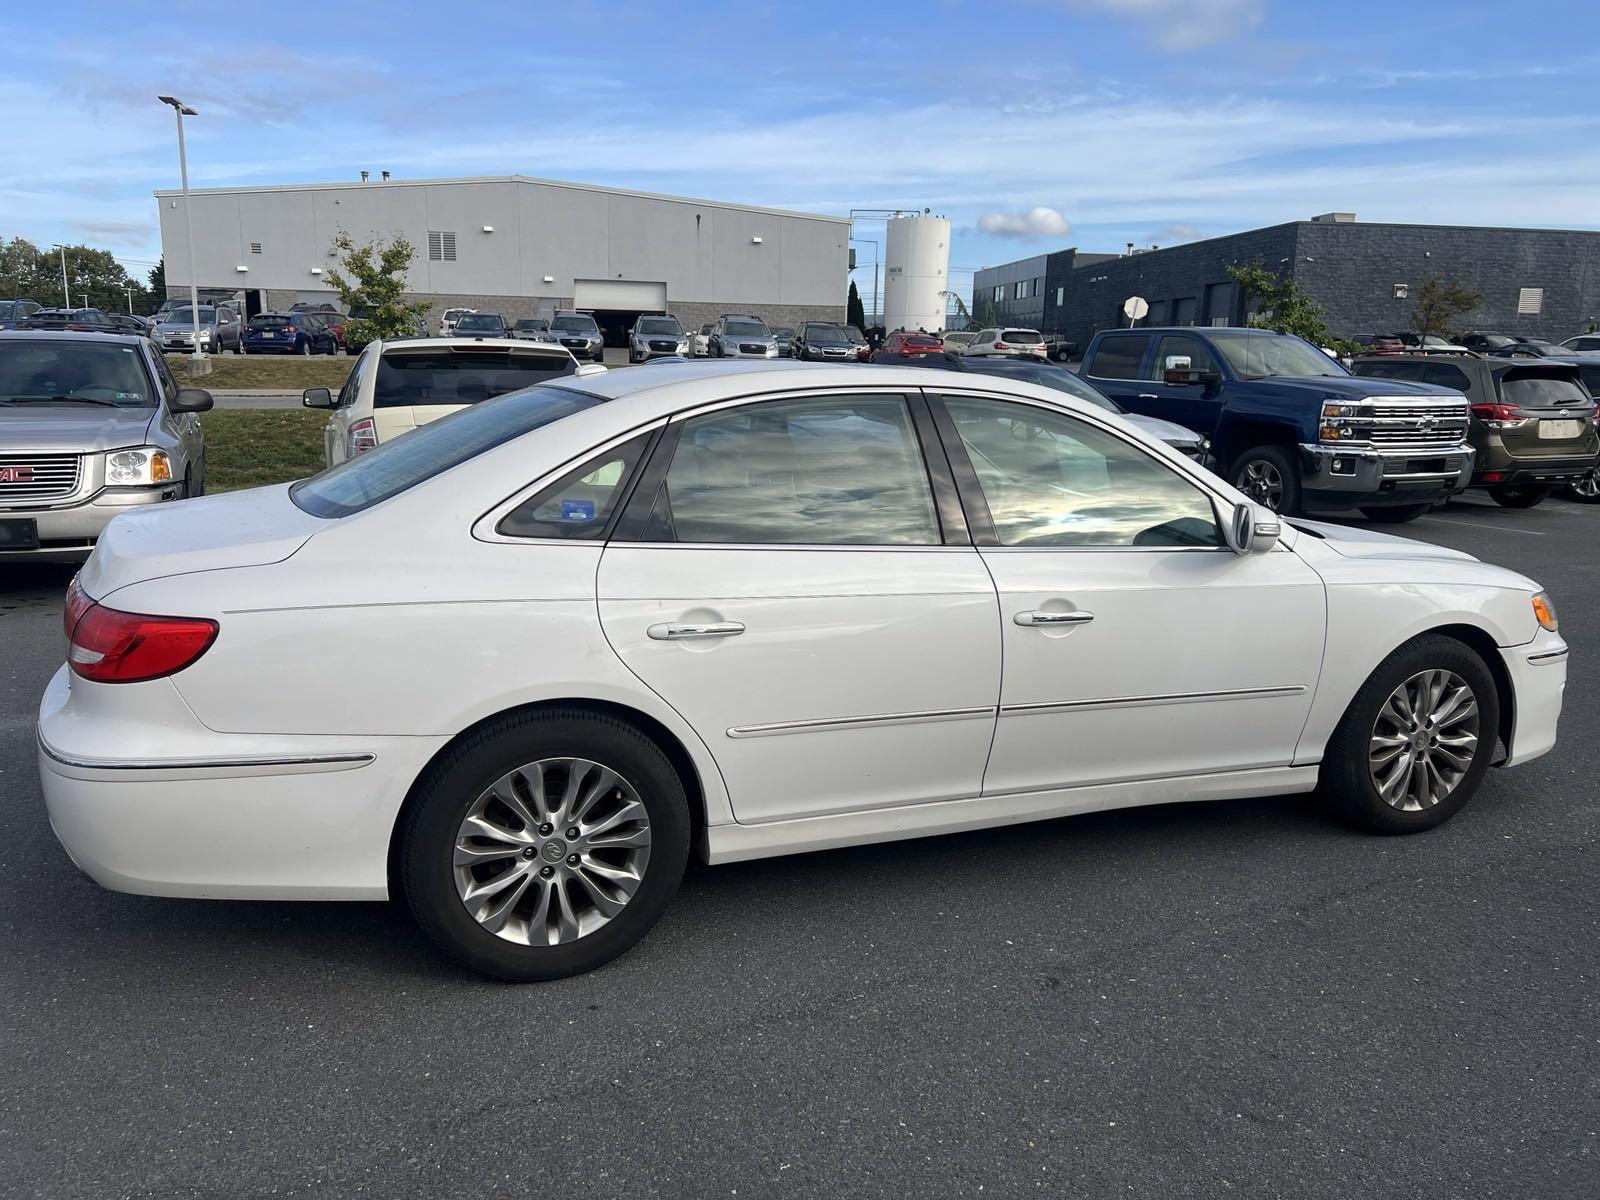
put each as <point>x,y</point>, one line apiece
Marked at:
<point>1053,618</point>
<point>674,631</point>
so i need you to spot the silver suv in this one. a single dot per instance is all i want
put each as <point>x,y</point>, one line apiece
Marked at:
<point>738,335</point>
<point>656,337</point>
<point>91,425</point>
<point>578,332</point>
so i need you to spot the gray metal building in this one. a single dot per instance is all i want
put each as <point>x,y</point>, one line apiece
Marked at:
<point>1533,282</point>
<point>521,247</point>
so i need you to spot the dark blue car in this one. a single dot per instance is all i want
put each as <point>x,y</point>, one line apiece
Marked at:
<point>288,333</point>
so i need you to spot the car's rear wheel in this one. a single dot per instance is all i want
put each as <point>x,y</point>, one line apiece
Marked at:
<point>1518,495</point>
<point>1267,475</point>
<point>305,348</point>
<point>545,845</point>
<point>1415,742</point>
<point>1397,514</point>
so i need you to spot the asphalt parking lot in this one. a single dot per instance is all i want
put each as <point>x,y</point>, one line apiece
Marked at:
<point>1238,999</point>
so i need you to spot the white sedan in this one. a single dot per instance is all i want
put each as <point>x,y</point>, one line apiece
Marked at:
<point>518,665</point>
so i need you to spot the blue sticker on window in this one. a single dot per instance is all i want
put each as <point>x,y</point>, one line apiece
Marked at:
<point>577,510</point>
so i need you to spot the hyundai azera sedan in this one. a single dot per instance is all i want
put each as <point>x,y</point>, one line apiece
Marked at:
<point>518,665</point>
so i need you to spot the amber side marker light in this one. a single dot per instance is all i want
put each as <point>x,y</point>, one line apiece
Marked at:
<point>1544,608</point>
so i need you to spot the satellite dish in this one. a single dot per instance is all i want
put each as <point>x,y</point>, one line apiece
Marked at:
<point>1136,308</point>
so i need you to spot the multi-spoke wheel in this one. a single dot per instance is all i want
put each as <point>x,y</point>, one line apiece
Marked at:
<point>545,844</point>
<point>1416,740</point>
<point>1268,476</point>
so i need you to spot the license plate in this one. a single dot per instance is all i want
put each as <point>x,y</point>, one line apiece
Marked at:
<point>19,535</point>
<point>269,335</point>
<point>1560,429</point>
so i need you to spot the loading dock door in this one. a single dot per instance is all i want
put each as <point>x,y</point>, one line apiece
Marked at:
<point>619,295</point>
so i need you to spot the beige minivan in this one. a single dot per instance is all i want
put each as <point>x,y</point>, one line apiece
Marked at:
<point>398,385</point>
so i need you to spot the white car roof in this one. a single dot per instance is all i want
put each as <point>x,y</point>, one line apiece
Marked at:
<point>510,345</point>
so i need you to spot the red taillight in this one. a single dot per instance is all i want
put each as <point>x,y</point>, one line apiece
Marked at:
<point>1500,416</point>
<point>1493,476</point>
<point>361,437</point>
<point>107,645</point>
<point>1001,346</point>
<point>78,603</point>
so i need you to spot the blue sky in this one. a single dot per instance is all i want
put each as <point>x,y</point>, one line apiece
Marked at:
<point>1032,124</point>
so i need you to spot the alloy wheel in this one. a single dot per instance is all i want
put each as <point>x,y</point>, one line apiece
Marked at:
<point>1587,487</point>
<point>1424,740</point>
<point>1262,482</point>
<point>552,851</point>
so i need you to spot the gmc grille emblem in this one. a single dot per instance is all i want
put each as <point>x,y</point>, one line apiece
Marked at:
<point>16,474</point>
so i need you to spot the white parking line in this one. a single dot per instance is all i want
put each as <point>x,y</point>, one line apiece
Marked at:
<point>1480,525</point>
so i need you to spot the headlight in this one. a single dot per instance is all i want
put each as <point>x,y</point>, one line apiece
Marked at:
<point>131,467</point>
<point>1544,609</point>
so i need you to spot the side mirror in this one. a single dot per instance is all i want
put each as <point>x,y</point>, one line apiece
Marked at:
<point>192,400</point>
<point>1250,529</point>
<point>317,398</point>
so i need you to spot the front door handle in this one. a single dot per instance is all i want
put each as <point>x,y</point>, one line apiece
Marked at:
<point>675,631</point>
<point>1053,618</point>
<point>1148,396</point>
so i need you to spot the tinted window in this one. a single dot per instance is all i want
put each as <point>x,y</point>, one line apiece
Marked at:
<point>750,329</point>
<point>1044,375</point>
<point>438,446</point>
<point>843,470</point>
<point>1591,378</point>
<point>1023,337</point>
<point>664,325</point>
<point>580,504</point>
<point>479,321</point>
<point>1052,480</point>
<point>1540,391</point>
<point>1446,375</point>
<point>268,321</point>
<point>1118,357</point>
<point>72,372</point>
<point>1179,345</point>
<point>407,378</point>
<point>825,335</point>
<point>1379,369</point>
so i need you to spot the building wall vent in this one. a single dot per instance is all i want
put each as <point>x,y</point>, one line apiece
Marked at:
<point>441,245</point>
<point>1530,302</point>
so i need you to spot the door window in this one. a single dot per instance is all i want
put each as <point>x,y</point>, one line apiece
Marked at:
<point>1119,357</point>
<point>1177,345</point>
<point>1052,480</point>
<point>840,470</point>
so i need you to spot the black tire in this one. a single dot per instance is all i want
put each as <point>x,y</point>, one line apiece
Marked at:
<point>1397,514</point>
<point>1276,462</point>
<point>1515,495</point>
<point>1345,781</point>
<point>432,822</point>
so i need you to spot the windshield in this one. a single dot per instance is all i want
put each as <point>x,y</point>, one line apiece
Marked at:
<point>72,373</point>
<point>1258,355</point>
<point>1059,378</point>
<point>393,467</point>
<point>574,325</point>
<point>412,378</point>
<point>826,335</point>
<point>527,324</point>
<point>749,329</point>
<point>854,334</point>
<point>667,325</point>
<point>478,321</point>
<point>182,315</point>
<point>1544,347</point>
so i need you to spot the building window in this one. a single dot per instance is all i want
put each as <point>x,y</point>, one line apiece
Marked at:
<point>999,293</point>
<point>441,245</point>
<point>1530,301</point>
<point>1020,290</point>
<point>1061,296</point>
<point>255,247</point>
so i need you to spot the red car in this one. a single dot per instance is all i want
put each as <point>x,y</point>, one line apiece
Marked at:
<point>334,323</point>
<point>1382,344</point>
<point>901,345</point>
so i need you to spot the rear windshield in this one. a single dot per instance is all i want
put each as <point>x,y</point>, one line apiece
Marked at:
<point>394,467</point>
<point>669,325</point>
<point>268,322</point>
<point>1022,337</point>
<point>61,373</point>
<point>1542,391</point>
<point>407,378</point>
<point>922,339</point>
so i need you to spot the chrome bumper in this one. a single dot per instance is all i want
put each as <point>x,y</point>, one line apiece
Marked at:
<point>1389,476</point>
<point>70,532</point>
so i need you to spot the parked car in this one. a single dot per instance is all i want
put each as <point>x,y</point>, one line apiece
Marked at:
<point>859,341</point>
<point>579,333</point>
<point>70,320</point>
<point>700,341</point>
<point>1427,343</point>
<point>783,335</point>
<point>482,325</point>
<point>127,323</point>
<point>1537,348</point>
<point>14,312</point>
<point>91,425</point>
<point>1058,347</point>
<point>397,386</point>
<point>531,329</point>
<point>217,330</point>
<point>822,341</point>
<point>900,345</point>
<point>527,716</point>
<point>314,307</point>
<point>1533,423</point>
<point>738,335</point>
<point>1380,343</point>
<point>656,337</point>
<point>302,333</point>
<point>1583,343</point>
<point>1287,423</point>
<point>448,319</point>
<point>1485,342</point>
<point>958,340</point>
<point>1185,441</point>
<point>335,323</point>
<point>1007,342</point>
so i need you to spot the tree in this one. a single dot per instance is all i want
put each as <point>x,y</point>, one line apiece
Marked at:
<point>854,313</point>
<point>158,280</point>
<point>371,281</point>
<point>24,272</point>
<point>1284,307</point>
<point>1439,302</point>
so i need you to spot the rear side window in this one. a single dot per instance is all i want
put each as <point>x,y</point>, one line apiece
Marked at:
<point>412,378</point>
<point>397,466</point>
<point>1118,357</point>
<point>580,504</point>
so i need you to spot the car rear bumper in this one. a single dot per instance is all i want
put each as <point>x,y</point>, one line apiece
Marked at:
<point>70,533</point>
<point>1533,471</point>
<point>1336,478</point>
<point>158,805</point>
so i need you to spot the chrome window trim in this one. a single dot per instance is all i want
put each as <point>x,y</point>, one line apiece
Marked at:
<point>1056,706</point>
<point>876,721</point>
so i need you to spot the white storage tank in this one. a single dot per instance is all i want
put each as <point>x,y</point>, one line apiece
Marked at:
<point>917,272</point>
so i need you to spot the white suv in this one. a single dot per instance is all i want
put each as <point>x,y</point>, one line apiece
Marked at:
<point>395,386</point>
<point>1007,343</point>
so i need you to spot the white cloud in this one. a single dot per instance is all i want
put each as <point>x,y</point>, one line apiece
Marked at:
<point>1185,24</point>
<point>1038,221</point>
<point>1174,233</point>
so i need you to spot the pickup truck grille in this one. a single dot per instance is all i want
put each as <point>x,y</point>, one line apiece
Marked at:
<point>35,477</point>
<point>1441,425</point>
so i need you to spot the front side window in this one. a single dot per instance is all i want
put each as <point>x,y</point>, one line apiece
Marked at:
<point>1255,355</point>
<point>838,470</point>
<point>1118,357</point>
<point>1050,479</point>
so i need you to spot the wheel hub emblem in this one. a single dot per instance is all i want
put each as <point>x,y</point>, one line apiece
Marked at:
<point>554,850</point>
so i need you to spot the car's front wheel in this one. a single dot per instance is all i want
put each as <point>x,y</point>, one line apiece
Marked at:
<point>1395,514</point>
<point>545,845</point>
<point>1415,742</point>
<point>1267,475</point>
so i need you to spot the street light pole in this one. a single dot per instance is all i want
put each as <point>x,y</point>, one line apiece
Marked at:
<point>183,110</point>
<point>66,296</point>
